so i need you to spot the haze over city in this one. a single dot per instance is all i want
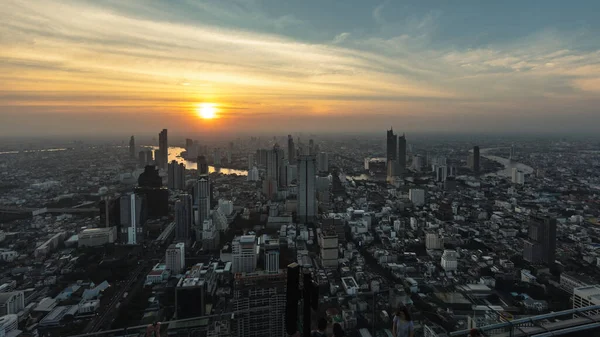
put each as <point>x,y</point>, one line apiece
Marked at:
<point>117,67</point>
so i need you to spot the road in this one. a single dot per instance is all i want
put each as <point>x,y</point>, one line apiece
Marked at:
<point>109,311</point>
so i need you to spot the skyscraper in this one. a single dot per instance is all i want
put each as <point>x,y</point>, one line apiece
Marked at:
<point>244,255</point>
<point>163,150</point>
<point>476,158</point>
<point>176,175</point>
<point>132,219</point>
<point>132,147</point>
<point>183,218</point>
<point>311,147</point>
<point>142,158</point>
<point>307,201</point>
<point>202,166</point>
<point>323,162</point>
<point>391,145</point>
<point>259,304</point>
<point>401,160</point>
<point>275,165</point>
<point>272,253</point>
<point>291,150</point>
<point>541,244</point>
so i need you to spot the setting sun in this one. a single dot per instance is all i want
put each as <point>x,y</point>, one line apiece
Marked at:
<point>207,111</point>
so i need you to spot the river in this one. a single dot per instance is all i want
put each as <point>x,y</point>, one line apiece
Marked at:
<point>507,163</point>
<point>175,154</point>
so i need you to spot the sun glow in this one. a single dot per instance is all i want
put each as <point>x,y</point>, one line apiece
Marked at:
<point>207,111</point>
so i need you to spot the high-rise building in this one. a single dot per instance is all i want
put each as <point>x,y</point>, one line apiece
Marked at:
<point>149,156</point>
<point>311,147</point>
<point>203,199</point>
<point>401,160</point>
<point>132,147</point>
<point>217,157</point>
<point>476,159</point>
<point>518,176</point>
<point>244,254</point>
<point>323,162</point>
<point>157,196</point>
<point>210,235</point>
<point>449,260</point>
<point>183,218</point>
<point>328,244</point>
<point>272,253</point>
<point>176,176</point>
<point>307,200</point>
<point>133,218</point>
<point>391,145</point>
<point>417,196</point>
<point>251,162</point>
<point>142,158</point>
<point>175,258</point>
<point>163,150</point>
<point>202,166</point>
<point>195,289</point>
<point>586,296</point>
<point>541,244</point>
<point>259,304</point>
<point>441,173</point>
<point>275,165</point>
<point>291,150</point>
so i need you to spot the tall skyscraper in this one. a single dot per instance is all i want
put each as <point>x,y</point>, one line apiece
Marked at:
<point>163,150</point>
<point>323,162</point>
<point>476,158</point>
<point>259,304</point>
<point>175,258</point>
<point>541,244</point>
<point>202,166</point>
<point>307,200</point>
<point>401,160</point>
<point>217,157</point>
<point>203,199</point>
<point>132,147</point>
<point>275,165</point>
<point>291,150</point>
<point>133,218</point>
<point>244,254</point>
<point>183,218</point>
<point>391,145</point>
<point>176,176</point>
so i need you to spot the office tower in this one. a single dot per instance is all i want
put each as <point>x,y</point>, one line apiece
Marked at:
<point>291,150</point>
<point>183,218</point>
<point>328,244</point>
<point>203,199</point>
<point>149,156</point>
<point>307,201</point>
<point>217,157</point>
<point>272,252</point>
<point>175,258</point>
<point>261,157</point>
<point>251,162</point>
<point>475,160</point>
<point>417,196</point>
<point>163,149</point>
<point>259,304</point>
<point>441,173</point>
<point>540,247</point>
<point>275,165</point>
<point>323,162</point>
<point>292,174</point>
<point>392,170</point>
<point>401,160</point>
<point>157,158</point>
<point>202,166</point>
<point>133,218</point>
<point>391,145</point>
<point>518,176</point>
<point>210,235</point>
<point>311,147</point>
<point>151,188</point>
<point>132,147</point>
<point>253,174</point>
<point>142,158</point>
<point>176,176</point>
<point>244,254</point>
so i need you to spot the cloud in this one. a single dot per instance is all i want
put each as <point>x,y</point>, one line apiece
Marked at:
<point>341,37</point>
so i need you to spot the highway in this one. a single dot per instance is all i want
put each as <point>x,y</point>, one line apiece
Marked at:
<point>109,312</point>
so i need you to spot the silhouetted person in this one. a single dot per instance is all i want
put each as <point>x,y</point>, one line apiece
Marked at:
<point>403,325</point>
<point>321,327</point>
<point>338,331</point>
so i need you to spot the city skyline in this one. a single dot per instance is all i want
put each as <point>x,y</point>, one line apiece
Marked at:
<point>265,65</point>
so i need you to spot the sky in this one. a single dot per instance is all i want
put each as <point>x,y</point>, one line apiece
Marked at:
<point>114,66</point>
